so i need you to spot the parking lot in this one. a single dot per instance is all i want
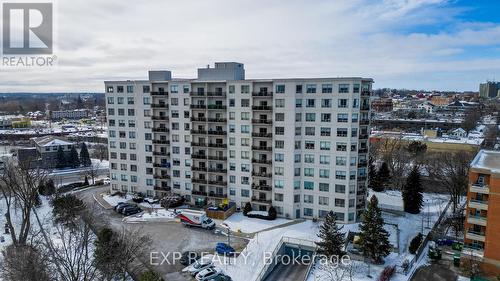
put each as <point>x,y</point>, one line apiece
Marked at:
<point>167,237</point>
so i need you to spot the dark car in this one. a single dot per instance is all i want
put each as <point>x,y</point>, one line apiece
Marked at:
<point>133,211</point>
<point>120,208</point>
<point>224,249</point>
<point>188,258</point>
<point>128,208</point>
<point>221,277</point>
<point>173,201</point>
<point>119,204</point>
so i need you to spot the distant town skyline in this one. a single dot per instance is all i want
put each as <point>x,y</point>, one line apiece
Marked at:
<point>447,45</point>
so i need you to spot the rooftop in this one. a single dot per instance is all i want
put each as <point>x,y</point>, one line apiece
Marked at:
<point>51,141</point>
<point>486,161</point>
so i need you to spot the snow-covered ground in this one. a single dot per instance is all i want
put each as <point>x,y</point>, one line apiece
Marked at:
<point>239,223</point>
<point>247,266</point>
<point>153,216</point>
<point>114,200</point>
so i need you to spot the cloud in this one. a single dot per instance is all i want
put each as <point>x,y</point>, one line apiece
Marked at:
<point>387,40</point>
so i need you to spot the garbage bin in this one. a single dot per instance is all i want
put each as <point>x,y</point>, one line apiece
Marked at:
<point>456,260</point>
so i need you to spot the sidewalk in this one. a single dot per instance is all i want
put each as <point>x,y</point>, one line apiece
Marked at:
<point>103,203</point>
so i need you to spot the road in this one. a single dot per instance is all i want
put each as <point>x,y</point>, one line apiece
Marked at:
<point>291,272</point>
<point>168,238</point>
<point>71,176</point>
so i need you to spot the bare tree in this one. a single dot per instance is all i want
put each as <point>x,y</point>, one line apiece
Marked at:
<point>336,271</point>
<point>133,244</point>
<point>92,171</point>
<point>450,169</point>
<point>19,189</point>
<point>25,262</point>
<point>393,151</point>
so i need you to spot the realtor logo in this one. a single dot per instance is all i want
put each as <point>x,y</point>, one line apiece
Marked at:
<point>27,28</point>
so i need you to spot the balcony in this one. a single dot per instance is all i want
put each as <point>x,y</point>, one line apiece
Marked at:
<point>217,120</point>
<point>216,94</point>
<point>262,187</point>
<point>217,132</point>
<point>217,182</point>
<point>261,200</point>
<point>262,161</point>
<point>262,121</point>
<point>362,163</point>
<point>365,108</point>
<point>198,132</point>
<point>364,122</point>
<point>159,105</point>
<point>161,141</point>
<point>216,170</point>
<point>198,106</point>
<point>162,188</point>
<point>262,175</point>
<point>198,119</point>
<point>363,150</point>
<point>217,145</point>
<point>159,117</point>
<point>202,144</point>
<point>262,148</point>
<point>161,93</point>
<point>217,195</point>
<point>216,106</point>
<point>262,94</point>
<point>365,93</point>
<point>363,136</point>
<point>160,130</point>
<point>477,236</point>
<point>198,156</point>
<point>161,165</point>
<point>202,181</point>
<point>480,188</point>
<point>478,204</point>
<point>159,153</point>
<point>197,192</point>
<point>218,158</point>
<point>162,177</point>
<point>262,135</point>
<point>262,108</point>
<point>196,94</point>
<point>199,169</point>
<point>477,220</point>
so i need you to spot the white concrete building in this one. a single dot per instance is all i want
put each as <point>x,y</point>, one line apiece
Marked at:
<point>300,145</point>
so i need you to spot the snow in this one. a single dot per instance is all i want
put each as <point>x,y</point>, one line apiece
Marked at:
<point>239,223</point>
<point>153,216</point>
<point>260,213</point>
<point>150,206</point>
<point>114,200</point>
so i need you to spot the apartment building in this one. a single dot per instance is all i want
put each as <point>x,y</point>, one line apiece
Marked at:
<point>482,224</point>
<point>300,145</point>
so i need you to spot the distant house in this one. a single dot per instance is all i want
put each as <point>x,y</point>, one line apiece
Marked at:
<point>459,133</point>
<point>44,152</point>
<point>69,114</point>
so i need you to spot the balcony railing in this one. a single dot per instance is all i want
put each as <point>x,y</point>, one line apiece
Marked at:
<point>197,192</point>
<point>365,107</point>
<point>263,187</point>
<point>198,156</point>
<point>363,150</point>
<point>199,169</point>
<point>262,135</point>
<point>262,161</point>
<point>262,175</point>
<point>199,132</point>
<point>159,105</point>
<point>160,130</point>
<point>262,121</point>
<point>198,119</point>
<point>161,177</point>
<point>196,94</point>
<point>159,153</point>
<point>262,94</point>
<point>161,165</point>
<point>162,188</point>
<point>365,93</point>
<point>202,181</point>
<point>217,195</point>
<point>217,145</point>
<point>261,200</point>
<point>216,170</point>
<point>216,106</point>
<point>202,144</point>
<point>217,132</point>
<point>159,117</point>
<point>217,120</point>
<point>198,106</point>
<point>480,188</point>
<point>216,182</point>
<point>478,220</point>
<point>364,122</point>
<point>216,94</point>
<point>363,136</point>
<point>218,158</point>
<point>262,148</point>
<point>478,204</point>
<point>262,107</point>
<point>161,141</point>
<point>159,93</point>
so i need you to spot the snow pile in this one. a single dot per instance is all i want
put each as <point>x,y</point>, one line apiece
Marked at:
<point>239,223</point>
<point>114,200</point>
<point>154,216</point>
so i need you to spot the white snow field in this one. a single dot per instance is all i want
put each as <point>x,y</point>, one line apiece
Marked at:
<point>239,223</point>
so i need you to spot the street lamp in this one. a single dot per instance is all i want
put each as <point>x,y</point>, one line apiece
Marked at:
<point>228,228</point>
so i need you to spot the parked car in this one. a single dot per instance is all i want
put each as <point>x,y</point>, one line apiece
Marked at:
<point>106,181</point>
<point>172,201</point>
<point>152,201</point>
<point>198,266</point>
<point>188,258</point>
<point>138,199</point>
<point>224,249</point>
<point>132,211</point>
<point>207,274</point>
<point>120,207</point>
<point>220,277</point>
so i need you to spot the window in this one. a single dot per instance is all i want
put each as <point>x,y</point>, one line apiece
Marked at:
<point>324,173</point>
<point>339,188</point>
<point>130,100</point>
<point>326,88</point>
<point>308,199</point>
<point>232,102</point>
<point>340,160</point>
<point>185,89</point>
<point>310,131</point>
<point>280,89</point>
<point>308,212</point>
<point>324,159</point>
<point>298,117</point>
<point>298,89</point>
<point>324,187</point>
<point>280,103</point>
<point>110,89</point>
<point>310,103</point>
<point>310,117</point>
<point>308,185</point>
<point>279,157</point>
<point>279,117</point>
<point>245,89</point>
<point>355,88</point>
<point>146,89</point>
<point>339,202</point>
<point>309,158</point>
<point>326,117</point>
<point>298,103</point>
<point>354,117</point>
<point>341,132</point>
<point>309,144</point>
<point>174,89</point>
<point>278,197</point>
<point>323,200</point>
<point>111,100</point>
<point>280,130</point>
<point>245,129</point>
<point>279,183</point>
<point>341,146</point>
<point>279,171</point>
<point>342,103</point>
<point>324,145</point>
<point>245,102</point>
<point>146,100</point>
<point>340,175</point>
<point>130,89</point>
<point>245,193</point>
<point>231,89</point>
<point>245,116</point>
<point>354,132</point>
<point>309,172</point>
<point>342,117</point>
<point>326,132</point>
<point>279,144</point>
<point>310,88</point>
<point>326,103</point>
<point>111,111</point>
<point>343,88</point>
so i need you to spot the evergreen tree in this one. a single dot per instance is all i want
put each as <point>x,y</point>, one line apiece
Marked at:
<point>151,276</point>
<point>247,208</point>
<point>105,253</point>
<point>272,214</point>
<point>47,188</point>
<point>415,243</point>
<point>374,239</point>
<point>373,179</point>
<point>332,240</point>
<point>412,192</point>
<point>383,175</point>
<point>60,158</point>
<point>84,156</point>
<point>73,159</point>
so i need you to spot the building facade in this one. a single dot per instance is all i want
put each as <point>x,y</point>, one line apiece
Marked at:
<point>300,145</point>
<point>69,114</point>
<point>482,223</point>
<point>489,89</point>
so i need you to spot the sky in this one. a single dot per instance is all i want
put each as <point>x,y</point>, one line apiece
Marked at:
<point>412,44</point>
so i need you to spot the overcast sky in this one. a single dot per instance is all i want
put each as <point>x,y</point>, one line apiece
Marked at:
<point>415,44</point>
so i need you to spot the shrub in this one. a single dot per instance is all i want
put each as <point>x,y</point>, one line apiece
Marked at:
<point>387,273</point>
<point>415,243</point>
<point>150,276</point>
<point>272,213</point>
<point>247,208</point>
